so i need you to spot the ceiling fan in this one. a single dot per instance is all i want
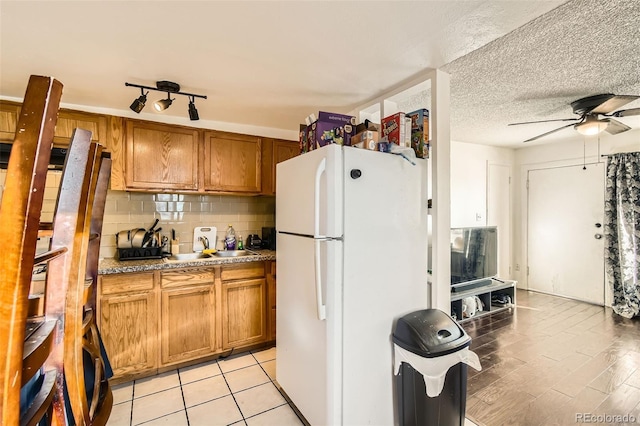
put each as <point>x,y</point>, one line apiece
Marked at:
<point>594,112</point>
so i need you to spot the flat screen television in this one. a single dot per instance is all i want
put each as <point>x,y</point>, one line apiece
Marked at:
<point>474,256</point>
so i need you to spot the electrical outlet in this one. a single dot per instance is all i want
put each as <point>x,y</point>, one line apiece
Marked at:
<point>478,217</point>
<point>517,267</point>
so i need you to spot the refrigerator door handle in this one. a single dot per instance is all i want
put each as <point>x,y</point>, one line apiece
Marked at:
<point>321,308</point>
<point>322,167</point>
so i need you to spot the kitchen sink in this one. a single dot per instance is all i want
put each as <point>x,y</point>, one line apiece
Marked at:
<point>187,256</point>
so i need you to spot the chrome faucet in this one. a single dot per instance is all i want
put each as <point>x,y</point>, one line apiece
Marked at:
<point>205,242</point>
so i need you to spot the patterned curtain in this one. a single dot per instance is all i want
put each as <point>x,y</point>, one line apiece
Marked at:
<point>622,232</point>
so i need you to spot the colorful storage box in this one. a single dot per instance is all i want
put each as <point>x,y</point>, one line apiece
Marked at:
<point>327,129</point>
<point>420,132</point>
<point>393,128</point>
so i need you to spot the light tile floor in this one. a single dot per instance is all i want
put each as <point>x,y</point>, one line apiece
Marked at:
<point>235,391</point>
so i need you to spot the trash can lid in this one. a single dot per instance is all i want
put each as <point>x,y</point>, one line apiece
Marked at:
<point>430,333</point>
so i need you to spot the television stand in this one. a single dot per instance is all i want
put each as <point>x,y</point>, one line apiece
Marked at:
<point>456,288</point>
<point>493,287</point>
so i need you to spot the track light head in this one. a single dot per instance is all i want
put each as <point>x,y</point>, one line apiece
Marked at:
<point>138,104</point>
<point>163,104</point>
<point>193,112</point>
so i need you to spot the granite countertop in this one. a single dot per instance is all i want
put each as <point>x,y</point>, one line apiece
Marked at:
<point>114,266</point>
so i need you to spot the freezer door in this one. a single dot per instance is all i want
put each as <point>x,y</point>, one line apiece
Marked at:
<point>309,193</point>
<point>308,348</point>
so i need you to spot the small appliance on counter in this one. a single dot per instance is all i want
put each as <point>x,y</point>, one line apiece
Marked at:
<point>269,238</point>
<point>254,242</point>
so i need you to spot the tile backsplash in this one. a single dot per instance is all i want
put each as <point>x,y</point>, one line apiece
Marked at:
<point>182,212</point>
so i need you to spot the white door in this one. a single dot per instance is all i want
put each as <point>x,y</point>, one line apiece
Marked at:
<point>565,244</point>
<point>499,213</point>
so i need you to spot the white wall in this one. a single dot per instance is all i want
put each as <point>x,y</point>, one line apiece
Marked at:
<point>469,181</point>
<point>469,166</point>
<point>574,151</point>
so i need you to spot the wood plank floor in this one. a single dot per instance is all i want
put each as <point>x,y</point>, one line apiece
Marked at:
<point>550,361</point>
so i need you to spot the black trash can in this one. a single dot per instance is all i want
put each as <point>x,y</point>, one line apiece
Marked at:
<point>429,335</point>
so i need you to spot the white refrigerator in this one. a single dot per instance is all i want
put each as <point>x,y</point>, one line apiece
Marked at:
<point>351,258</point>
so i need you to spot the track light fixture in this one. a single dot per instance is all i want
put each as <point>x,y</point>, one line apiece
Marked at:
<point>170,88</point>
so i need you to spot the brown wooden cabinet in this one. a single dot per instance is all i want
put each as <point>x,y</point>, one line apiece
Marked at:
<point>128,313</point>
<point>270,268</point>
<point>275,151</point>
<point>160,156</point>
<point>188,315</point>
<point>232,162</point>
<point>244,320</point>
<point>8,120</point>
<point>69,120</point>
<point>154,321</point>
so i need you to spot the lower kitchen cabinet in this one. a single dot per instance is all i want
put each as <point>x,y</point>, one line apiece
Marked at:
<point>129,322</point>
<point>270,268</point>
<point>153,321</point>
<point>243,313</point>
<point>244,320</point>
<point>187,315</point>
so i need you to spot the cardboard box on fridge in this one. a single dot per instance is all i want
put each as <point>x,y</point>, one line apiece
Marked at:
<point>367,139</point>
<point>393,128</point>
<point>330,128</point>
<point>420,132</point>
<point>302,139</point>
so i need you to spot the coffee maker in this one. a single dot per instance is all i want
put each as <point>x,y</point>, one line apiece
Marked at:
<point>269,238</point>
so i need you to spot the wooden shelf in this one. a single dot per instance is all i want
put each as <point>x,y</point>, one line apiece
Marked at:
<point>484,293</point>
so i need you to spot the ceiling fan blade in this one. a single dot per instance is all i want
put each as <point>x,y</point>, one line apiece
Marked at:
<point>626,112</point>
<point>548,133</point>
<point>616,127</point>
<point>544,121</point>
<point>614,103</point>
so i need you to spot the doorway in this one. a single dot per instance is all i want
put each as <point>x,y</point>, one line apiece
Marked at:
<point>565,244</point>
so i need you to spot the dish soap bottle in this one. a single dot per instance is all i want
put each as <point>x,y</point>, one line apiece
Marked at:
<point>230,239</point>
<point>240,243</point>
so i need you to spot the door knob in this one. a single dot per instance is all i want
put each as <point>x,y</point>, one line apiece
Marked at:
<point>598,236</point>
<point>598,225</point>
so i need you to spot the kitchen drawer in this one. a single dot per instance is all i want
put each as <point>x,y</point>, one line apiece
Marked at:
<point>126,283</point>
<point>244,271</point>
<point>186,277</point>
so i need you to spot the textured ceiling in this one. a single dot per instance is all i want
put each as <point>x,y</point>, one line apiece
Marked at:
<point>265,65</point>
<point>582,48</point>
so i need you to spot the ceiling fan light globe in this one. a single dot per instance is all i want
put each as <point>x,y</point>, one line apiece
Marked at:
<point>591,127</point>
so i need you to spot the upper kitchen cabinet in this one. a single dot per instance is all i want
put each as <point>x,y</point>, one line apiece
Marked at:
<point>69,120</point>
<point>232,162</point>
<point>8,120</point>
<point>275,151</point>
<point>160,157</point>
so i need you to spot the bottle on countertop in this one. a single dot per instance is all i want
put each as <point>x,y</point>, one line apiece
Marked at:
<point>240,243</point>
<point>230,239</point>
